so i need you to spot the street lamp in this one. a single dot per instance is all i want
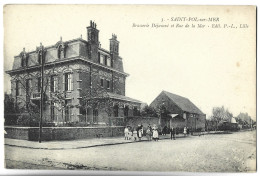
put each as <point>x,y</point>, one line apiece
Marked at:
<point>41,53</point>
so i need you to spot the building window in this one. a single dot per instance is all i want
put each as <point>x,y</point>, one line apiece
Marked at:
<point>27,89</point>
<point>105,60</point>
<point>39,84</point>
<point>67,110</point>
<point>126,111</point>
<point>17,88</point>
<point>68,82</point>
<point>61,51</point>
<point>108,62</point>
<point>135,113</point>
<point>95,115</point>
<point>83,112</point>
<point>108,84</point>
<point>116,110</point>
<point>52,110</point>
<point>102,59</point>
<point>102,82</point>
<point>53,83</point>
<point>88,115</point>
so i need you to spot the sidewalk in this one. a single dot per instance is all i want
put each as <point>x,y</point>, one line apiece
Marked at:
<point>73,144</point>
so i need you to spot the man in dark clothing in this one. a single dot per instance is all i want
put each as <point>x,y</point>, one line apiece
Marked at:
<point>173,131</point>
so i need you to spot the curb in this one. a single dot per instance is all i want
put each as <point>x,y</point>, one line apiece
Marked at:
<point>97,145</point>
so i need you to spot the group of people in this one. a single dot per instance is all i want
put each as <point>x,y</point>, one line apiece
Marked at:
<point>152,133</point>
<point>137,133</point>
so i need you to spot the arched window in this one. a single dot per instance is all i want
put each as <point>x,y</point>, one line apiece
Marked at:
<point>24,58</point>
<point>61,49</point>
<point>61,53</point>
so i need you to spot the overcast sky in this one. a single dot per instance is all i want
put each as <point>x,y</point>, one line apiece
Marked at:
<point>211,67</point>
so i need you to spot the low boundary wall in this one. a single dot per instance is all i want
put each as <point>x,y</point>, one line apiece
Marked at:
<point>62,133</point>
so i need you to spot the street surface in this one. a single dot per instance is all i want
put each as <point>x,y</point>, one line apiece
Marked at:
<point>208,153</point>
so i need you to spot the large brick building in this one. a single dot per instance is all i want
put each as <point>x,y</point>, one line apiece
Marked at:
<point>177,111</point>
<point>83,83</point>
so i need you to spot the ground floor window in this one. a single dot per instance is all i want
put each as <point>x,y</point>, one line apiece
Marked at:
<point>82,111</point>
<point>88,115</point>
<point>116,110</point>
<point>67,110</point>
<point>52,111</point>
<point>95,115</point>
<point>126,109</point>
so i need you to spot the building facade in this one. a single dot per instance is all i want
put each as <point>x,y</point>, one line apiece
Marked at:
<point>82,82</point>
<point>179,112</point>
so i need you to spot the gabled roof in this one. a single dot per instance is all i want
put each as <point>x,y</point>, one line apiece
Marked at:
<point>184,103</point>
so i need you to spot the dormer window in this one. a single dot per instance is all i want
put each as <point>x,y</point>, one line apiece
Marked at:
<point>24,58</point>
<point>61,49</point>
<point>102,59</point>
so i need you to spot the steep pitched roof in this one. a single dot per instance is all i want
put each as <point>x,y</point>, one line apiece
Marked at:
<point>184,103</point>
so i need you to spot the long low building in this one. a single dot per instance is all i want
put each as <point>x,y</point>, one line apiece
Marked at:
<point>177,111</point>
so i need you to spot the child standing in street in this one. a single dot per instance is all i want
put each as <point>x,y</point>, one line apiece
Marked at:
<point>126,131</point>
<point>135,134</point>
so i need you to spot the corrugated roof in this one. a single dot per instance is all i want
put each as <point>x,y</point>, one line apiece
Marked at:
<point>184,103</point>
<point>121,97</point>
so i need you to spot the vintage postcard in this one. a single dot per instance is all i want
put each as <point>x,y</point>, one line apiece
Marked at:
<point>164,88</point>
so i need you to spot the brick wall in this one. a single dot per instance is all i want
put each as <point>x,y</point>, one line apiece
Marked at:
<point>62,133</point>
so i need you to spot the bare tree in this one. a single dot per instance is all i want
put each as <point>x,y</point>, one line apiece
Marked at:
<point>98,98</point>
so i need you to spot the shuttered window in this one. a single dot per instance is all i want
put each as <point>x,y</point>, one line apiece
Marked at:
<point>68,81</point>
<point>53,84</point>
<point>17,88</point>
<point>102,82</point>
<point>39,84</point>
<point>52,110</point>
<point>108,84</point>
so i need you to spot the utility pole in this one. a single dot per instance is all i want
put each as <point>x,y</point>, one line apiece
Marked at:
<point>41,53</point>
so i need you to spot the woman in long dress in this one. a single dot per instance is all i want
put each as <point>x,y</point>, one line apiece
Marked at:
<point>155,135</point>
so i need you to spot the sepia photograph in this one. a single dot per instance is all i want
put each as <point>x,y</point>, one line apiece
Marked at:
<point>147,88</point>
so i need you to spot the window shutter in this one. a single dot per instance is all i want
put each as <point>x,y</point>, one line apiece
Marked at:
<point>105,60</point>
<point>49,83</point>
<point>63,82</point>
<point>72,81</point>
<point>19,89</point>
<point>98,57</point>
<point>56,84</point>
